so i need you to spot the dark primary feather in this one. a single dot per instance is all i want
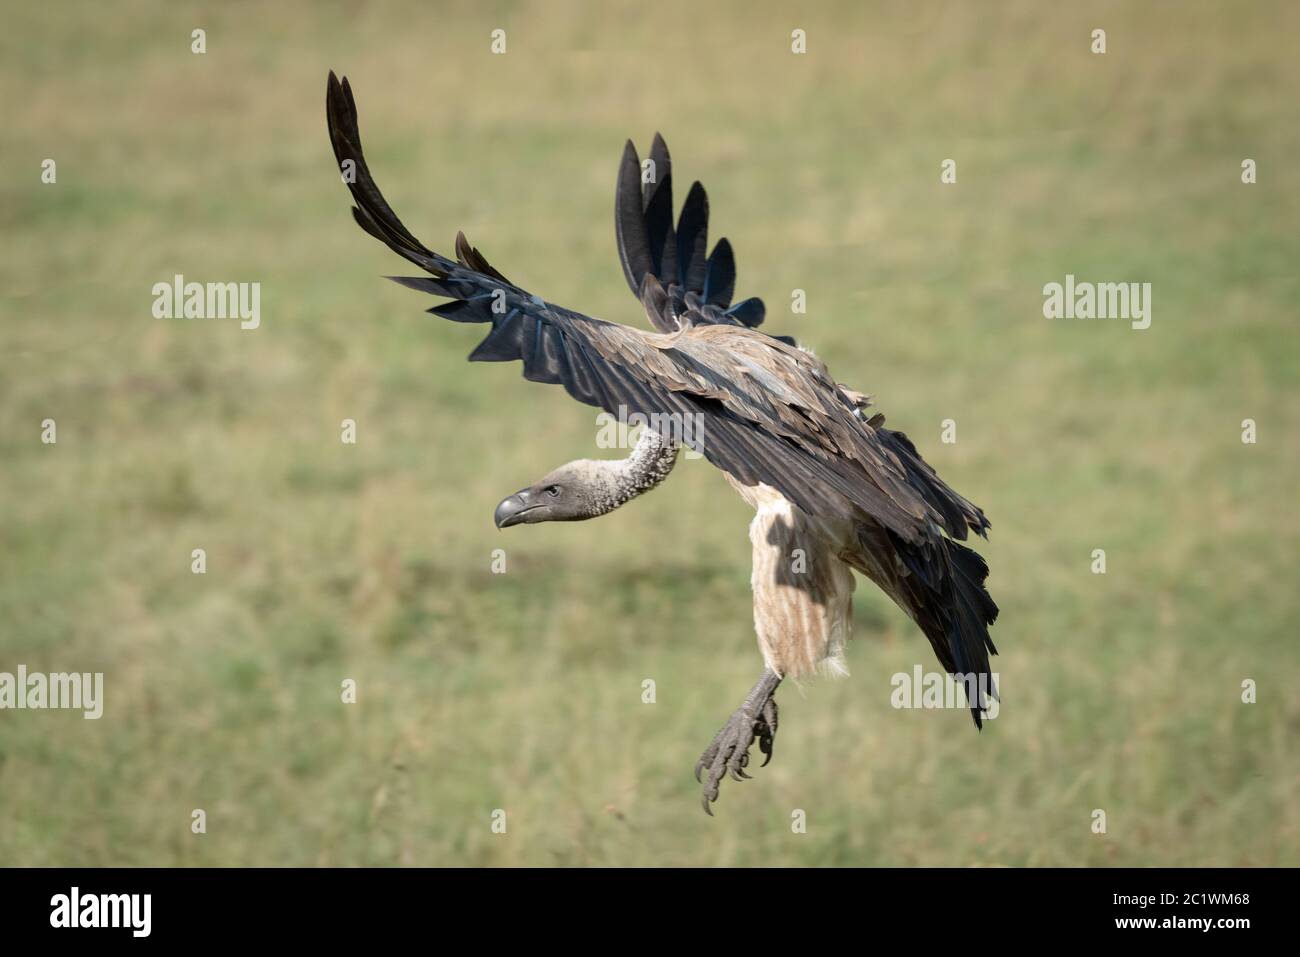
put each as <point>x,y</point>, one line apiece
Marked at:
<point>693,240</point>
<point>720,278</point>
<point>658,205</point>
<point>629,222</point>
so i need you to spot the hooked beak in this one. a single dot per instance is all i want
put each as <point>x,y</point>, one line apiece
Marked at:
<point>512,510</point>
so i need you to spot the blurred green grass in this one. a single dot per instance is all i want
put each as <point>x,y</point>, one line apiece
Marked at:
<point>523,691</point>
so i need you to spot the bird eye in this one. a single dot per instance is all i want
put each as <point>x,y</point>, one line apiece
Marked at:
<point>553,491</point>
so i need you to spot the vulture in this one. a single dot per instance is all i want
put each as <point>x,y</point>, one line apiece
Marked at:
<point>833,490</point>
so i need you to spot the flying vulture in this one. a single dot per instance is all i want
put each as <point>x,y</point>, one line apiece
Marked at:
<point>834,491</point>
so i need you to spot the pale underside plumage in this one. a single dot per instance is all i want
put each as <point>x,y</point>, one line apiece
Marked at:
<point>803,591</point>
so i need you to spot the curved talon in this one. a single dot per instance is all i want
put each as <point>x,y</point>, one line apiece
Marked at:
<point>739,761</point>
<point>767,736</point>
<point>728,752</point>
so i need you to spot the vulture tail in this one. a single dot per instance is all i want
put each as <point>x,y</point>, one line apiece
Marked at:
<point>949,601</point>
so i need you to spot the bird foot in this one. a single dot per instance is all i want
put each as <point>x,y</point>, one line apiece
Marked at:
<point>728,752</point>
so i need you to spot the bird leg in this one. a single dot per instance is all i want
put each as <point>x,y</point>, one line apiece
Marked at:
<point>729,750</point>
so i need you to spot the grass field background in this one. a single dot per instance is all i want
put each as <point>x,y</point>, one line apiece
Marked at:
<point>522,691</point>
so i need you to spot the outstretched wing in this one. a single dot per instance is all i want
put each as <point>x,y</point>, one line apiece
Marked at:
<point>679,282</point>
<point>759,409</point>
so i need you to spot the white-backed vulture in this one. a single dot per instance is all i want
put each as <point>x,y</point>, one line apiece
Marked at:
<point>833,489</point>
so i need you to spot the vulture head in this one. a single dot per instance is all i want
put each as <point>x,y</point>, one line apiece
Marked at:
<point>588,488</point>
<point>572,493</point>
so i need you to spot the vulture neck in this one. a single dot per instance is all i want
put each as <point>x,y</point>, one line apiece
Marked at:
<point>614,483</point>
